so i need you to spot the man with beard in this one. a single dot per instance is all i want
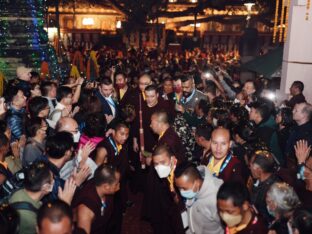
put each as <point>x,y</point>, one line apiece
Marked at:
<point>124,92</point>
<point>114,151</point>
<point>191,96</point>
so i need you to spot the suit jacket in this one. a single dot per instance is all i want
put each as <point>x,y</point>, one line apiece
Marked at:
<point>106,109</point>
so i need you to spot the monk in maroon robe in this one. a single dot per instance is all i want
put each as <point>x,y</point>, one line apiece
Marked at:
<point>114,151</point>
<point>166,134</point>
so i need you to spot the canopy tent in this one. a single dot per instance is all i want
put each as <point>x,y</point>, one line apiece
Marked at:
<point>268,64</point>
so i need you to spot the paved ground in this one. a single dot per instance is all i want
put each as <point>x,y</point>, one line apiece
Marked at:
<point>132,223</point>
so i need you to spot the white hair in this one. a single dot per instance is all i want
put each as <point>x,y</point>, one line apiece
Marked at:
<point>284,196</point>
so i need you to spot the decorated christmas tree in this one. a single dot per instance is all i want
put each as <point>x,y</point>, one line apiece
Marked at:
<point>23,40</point>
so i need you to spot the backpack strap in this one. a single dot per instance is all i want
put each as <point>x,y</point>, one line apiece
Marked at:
<point>24,206</point>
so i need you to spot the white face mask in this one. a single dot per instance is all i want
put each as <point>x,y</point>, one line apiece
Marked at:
<point>163,171</point>
<point>76,137</point>
<point>50,187</point>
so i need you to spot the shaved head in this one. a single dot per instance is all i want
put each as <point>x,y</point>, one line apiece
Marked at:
<point>221,132</point>
<point>161,116</point>
<point>220,143</point>
<point>66,124</point>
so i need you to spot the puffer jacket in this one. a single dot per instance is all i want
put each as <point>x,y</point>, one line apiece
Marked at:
<point>15,120</point>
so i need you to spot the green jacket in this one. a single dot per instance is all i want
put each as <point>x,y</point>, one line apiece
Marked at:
<point>27,217</point>
<point>266,132</point>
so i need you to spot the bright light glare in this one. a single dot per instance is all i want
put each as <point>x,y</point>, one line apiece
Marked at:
<point>87,21</point>
<point>118,24</point>
<point>249,5</point>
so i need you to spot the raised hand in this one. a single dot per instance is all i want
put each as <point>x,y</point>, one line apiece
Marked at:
<point>302,151</point>
<point>68,192</point>
<point>86,151</point>
<point>80,176</point>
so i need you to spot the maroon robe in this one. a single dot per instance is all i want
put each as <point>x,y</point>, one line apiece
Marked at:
<point>150,138</point>
<point>120,161</point>
<point>88,196</point>
<point>127,97</point>
<point>234,170</point>
<point>159,207</point>
<point>171,139</point>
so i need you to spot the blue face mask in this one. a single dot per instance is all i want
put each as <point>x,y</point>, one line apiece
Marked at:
<point>188,194</point>
<point>301,173</point>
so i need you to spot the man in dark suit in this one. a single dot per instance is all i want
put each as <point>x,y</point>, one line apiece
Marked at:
<point>160,125</point>
<point>104,94</point>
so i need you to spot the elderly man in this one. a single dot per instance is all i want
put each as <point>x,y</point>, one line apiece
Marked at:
<point>199,188</point>
<point>303,131</point>
<point>67,124</point>
<point>22,81</point>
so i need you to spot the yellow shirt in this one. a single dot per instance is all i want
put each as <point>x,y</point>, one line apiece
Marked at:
<point>119,147</point>
<point>171,180</point>
<point>234,230</point>
<point>143,95</point>
<point>122,93</point>
<point>215,169</point>
<point>161,134</point>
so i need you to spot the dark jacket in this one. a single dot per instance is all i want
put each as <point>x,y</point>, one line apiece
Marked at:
<point>295,100</point>
<point>302,132</point>
<point>106,109</point>
<point>266,133</point>
<point>16,122</point>
<point>258,195</point>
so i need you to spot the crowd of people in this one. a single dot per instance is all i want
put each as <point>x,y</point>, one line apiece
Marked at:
<point>209,153</point>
